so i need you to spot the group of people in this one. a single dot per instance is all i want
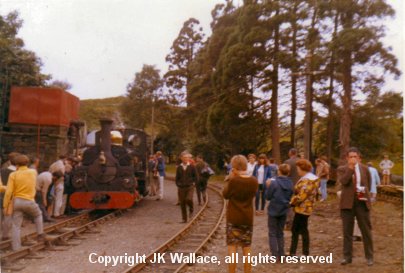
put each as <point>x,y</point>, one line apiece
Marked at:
<point>191,174</point>
<point>43,197</point>
<point>156,167</point>
<point>292,189</point>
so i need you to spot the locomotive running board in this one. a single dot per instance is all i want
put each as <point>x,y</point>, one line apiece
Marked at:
<point>116,200</point>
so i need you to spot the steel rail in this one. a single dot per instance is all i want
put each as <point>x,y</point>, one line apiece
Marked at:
<point>178,236</point>
<point>52,228</point>
<point>59,239</point>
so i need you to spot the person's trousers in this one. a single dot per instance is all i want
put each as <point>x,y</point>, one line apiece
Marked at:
<point>362,214</point>
<point>260,198</point>
<point>21,207</point>
<point>276,234</point>
<point>57,210</point>
<point>64,204</point>
<point>324,192</point>
<point>201,189</point>
<point>356,229</point>
<point>161,182</point>
<point>300,226</point>
<point>186,200</point>
<point>40,202</point>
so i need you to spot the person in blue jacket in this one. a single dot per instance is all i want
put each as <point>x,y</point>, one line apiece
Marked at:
<point>262,172</point>
<point>279,192</point>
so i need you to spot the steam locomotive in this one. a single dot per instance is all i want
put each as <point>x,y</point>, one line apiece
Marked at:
<point>111,176</point>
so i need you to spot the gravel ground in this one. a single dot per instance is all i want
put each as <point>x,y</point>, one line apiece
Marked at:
<point>326,237</point>
<point>139,230</point>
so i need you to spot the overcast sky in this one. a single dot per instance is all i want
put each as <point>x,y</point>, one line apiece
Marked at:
<point>98,45</point>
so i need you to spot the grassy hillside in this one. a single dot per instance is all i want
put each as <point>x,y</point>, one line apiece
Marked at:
<point>92,110</point>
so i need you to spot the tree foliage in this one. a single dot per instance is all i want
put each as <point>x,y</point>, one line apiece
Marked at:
<point>18,66</point>
<point>142,93</point>
<point>244,89</point>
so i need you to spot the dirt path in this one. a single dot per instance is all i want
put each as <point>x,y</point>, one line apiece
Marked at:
<point>139,230</point>
<point>326,237</point>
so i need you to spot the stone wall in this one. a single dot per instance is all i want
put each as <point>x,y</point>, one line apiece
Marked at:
<point>51,140</point>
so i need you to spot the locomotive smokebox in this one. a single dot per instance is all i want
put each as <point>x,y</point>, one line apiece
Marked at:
<point>106,178</point>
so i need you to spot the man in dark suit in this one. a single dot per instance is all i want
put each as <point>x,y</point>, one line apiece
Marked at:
<point>186,179</point>
<point>354,179</point>
<point>292,162</point>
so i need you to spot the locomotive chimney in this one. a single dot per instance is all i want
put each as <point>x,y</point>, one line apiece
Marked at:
<point>105,135</point>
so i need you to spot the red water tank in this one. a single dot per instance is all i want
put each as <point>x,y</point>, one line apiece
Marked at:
<point>42,106</point>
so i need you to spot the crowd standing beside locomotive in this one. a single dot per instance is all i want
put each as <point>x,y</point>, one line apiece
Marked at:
<point>160,168</point>
<point>153,176</point>
<point>8,167</point>
<point>19,199</point>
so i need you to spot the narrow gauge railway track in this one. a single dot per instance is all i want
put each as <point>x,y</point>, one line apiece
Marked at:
<point>61,233</point>
<point>192,239</point>
<point>391,193</point>
<point>388,193</point>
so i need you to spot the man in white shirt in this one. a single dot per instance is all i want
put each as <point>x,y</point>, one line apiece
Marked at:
<point>44,181</point>
<point>386,166</point>
<point>251,164</point>
<point>58,166</point>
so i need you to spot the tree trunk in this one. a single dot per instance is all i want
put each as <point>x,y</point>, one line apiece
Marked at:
<point>275,132</point>
<point>346,118</point>
<point>308,121</point>
<point>329,130</point>
<point>293,76</point>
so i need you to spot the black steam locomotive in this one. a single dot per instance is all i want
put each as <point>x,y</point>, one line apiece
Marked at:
<point>111,176</point>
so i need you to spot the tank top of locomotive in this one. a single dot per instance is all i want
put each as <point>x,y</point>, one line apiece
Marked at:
<point>260,174</point>
<point>104,169</point>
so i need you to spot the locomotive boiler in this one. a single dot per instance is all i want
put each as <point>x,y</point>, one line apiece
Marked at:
<point>106,179</point>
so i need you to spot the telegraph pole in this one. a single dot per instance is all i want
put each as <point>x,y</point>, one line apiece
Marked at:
<point>153,125</point>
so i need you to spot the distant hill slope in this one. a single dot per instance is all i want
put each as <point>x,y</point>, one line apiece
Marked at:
<point>92,110</point>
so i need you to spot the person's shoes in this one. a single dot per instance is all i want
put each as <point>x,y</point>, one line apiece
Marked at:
<point>49,220</point>
<point>257,212</point>
<point>346,261</point>
<point>370,262</point>
<point>183,221</point>
<point>356,238</point>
